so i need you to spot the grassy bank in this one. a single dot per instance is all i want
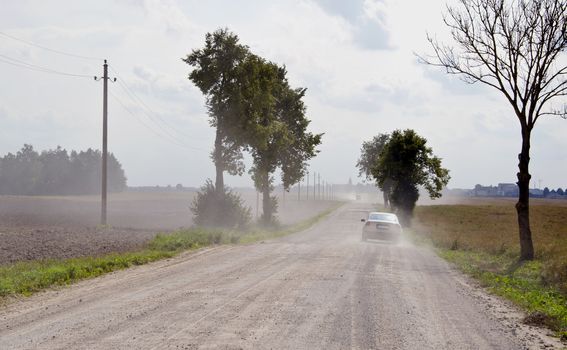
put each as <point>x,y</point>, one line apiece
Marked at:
<point>483,241</point>
<point>26,278</point>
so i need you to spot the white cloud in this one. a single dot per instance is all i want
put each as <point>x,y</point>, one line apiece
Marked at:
<point>375,10</point>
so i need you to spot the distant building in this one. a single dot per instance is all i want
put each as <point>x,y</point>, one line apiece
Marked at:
<point>536,192</point>
<point>508,190</point>
<point>484,191</point>
<point>502,190</point>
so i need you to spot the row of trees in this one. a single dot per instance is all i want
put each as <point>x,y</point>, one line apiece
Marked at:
<point>57,172</point>
<point>400,163</point>
<point>559,191</point>
<point>254,109</point>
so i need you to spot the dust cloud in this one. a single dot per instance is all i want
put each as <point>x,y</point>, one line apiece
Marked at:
<point>40,227</point>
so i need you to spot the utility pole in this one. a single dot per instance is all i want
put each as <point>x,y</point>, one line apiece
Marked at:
<point>332,191</point>
<point>307,187</point>
<point>319,187</point>
<point>257,203</point>
<point>104,186</point>
<point>314,184</point>
<point>299,190</point>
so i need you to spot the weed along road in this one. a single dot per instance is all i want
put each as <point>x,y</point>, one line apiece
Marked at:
<point>318,289</point>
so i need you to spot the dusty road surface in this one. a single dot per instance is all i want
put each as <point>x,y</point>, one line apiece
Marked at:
<point>318,289</point>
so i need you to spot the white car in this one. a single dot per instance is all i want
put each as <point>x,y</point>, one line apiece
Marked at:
<point>381,225</point>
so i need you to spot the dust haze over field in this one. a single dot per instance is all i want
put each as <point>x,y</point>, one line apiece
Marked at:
<point>63,227</point>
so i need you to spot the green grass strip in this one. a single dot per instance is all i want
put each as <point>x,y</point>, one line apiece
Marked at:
<point>26,278</point>
<point>520,283</point>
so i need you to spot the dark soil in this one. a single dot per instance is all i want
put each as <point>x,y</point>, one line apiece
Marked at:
<point>34,228</point>
<point>29,243</point>
<point>539,319</point>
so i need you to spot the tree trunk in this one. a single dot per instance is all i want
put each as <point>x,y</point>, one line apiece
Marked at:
<point>266,206</point>
<point>219,165</point>
<point>386,191</point>
<point>386,201</point>
<point>523,204</point>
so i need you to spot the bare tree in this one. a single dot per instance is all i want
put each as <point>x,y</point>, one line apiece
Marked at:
<point>514,46</point>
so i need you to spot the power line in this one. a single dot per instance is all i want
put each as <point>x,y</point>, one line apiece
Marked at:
<point>49,49</point>
<point>172,140</point>
<point>149,115</point>
<point>33,67</point>
<point>136,99</point>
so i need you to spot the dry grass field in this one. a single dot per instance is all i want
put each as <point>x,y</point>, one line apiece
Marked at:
<point>491,226</point>
<point>481,236</point>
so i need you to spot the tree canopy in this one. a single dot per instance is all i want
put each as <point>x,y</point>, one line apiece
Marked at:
<point>253,108</point>
<point>278,129</point>
<point>369,155</point>
<point>217,73</point>
<point>408,163</point>
<point>57,172</point>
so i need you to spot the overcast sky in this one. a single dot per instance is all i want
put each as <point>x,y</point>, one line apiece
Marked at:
<point>356,58</point>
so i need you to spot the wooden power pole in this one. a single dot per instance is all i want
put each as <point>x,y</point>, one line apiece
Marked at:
<point>104,184</point>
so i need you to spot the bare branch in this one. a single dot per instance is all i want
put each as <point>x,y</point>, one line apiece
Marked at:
<point>510,45</point>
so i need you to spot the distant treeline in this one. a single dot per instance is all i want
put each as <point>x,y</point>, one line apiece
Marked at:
<point>57,172</point>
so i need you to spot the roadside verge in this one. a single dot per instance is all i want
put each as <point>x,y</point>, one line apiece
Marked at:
<point>481,242</point>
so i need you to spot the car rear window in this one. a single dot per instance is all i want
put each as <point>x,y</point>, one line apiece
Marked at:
<point>383,217</point>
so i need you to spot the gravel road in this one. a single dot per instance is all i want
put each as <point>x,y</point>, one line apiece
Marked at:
<point>319,289</point>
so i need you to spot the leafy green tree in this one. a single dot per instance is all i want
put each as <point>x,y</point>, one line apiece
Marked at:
<point>409,163</point>
<point>301,144</point>
<point>55,172</point>
<point>516,47</point>
<point>546,192</point>
<point>252,107</point>
<point>116,176</point>
<point>85,171</point>
<point>278,136</point>
<point>216,73</point>
<point>369,155</point>
<point>28,170</point>
<point>20,172</point>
